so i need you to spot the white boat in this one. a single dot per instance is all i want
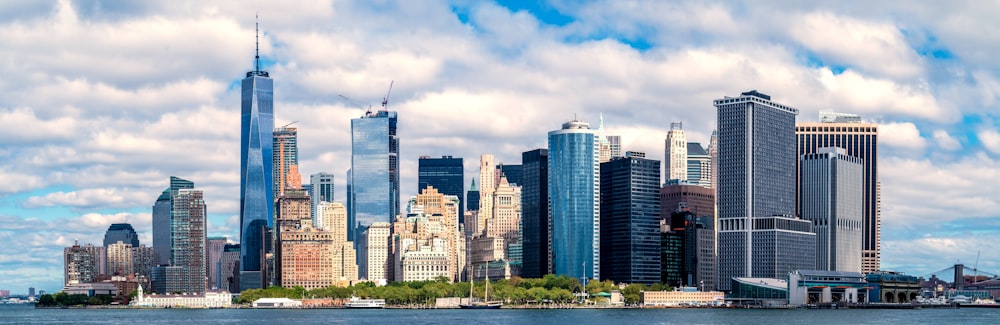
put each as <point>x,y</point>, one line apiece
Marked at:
<point>356,302</point>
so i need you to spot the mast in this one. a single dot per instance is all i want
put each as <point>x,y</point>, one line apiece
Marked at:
<point>486,294</point>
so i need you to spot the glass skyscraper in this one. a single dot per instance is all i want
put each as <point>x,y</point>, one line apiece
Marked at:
<point>374,192</point>
<point>574,198</point>
<point>121,232</point>
<point>535,225</point>
<point>447,174</point>
<point>759,233</point>
<point>256,180</point>
<point>162,240</point>
<point>322,190</point>
<point>630,220</point>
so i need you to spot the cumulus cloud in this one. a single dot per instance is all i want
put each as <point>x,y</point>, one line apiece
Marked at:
<point>946,141</point>
<point>990,139</point>
<point>903,134</point>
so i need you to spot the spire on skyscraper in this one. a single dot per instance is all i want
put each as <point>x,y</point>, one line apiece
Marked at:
<point>256,58</point>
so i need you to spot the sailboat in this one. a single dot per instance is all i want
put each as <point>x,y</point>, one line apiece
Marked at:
<point>485,303</point>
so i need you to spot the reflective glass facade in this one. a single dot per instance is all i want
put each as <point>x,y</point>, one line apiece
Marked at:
<point>535,225</point>
<point>447,174</point>
<point>374,178</point>
<point>121,232</point>
<point>162,240</point>
<point>574,200</point>
<point>256,161</point>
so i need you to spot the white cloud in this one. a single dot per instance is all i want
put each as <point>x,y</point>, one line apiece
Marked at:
<point>990,140</point>
<point>902,134</point>
<point>946,141</point>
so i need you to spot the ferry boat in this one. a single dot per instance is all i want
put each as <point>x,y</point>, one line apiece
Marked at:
<point>356,302</point>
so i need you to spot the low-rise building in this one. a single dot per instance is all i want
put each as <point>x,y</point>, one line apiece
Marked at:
<point>817,287</point>
<point>209,299</point>
<point>759,291</point>
<point>91,289</point>
<point>276,303</point>
<point>687,296</point>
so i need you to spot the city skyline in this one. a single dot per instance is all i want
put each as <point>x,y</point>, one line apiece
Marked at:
<point>91,133</point>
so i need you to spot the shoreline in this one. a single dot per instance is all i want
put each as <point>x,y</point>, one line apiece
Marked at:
<point>560,306</point>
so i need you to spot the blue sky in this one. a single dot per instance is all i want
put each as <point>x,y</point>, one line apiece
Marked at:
<point>101,101</point>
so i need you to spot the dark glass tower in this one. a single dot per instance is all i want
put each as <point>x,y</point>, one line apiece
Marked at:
<point>374,178</point>
<point>630,220</point>
<point>162,239</point>
<point>535,224</point>
<point>121,232</point>
<point>512,172</point>
<point>256,180</point>
<point>473,197</point>
<point>447,174</point>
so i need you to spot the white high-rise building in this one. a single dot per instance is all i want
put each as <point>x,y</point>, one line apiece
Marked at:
<point>832,198</point>
<point>487,188</point>
<point>675,154</point>
<point>378,266</point>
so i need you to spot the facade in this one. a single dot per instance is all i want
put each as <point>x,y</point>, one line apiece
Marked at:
<point>345,260</point>
<point>285,148</point>
<point>210,299</point>
<point>832,198</point>
<point>574,200</point>
<point>119,258</point>
<point>859,139</point>
<point>420,248</point>
<point>256,174</point>
<point>161,219</point>
<point>535,226</point>
<point>188,250</point>
<point>615,146</point>
<point>374,179</point>
<point>434,204</point>
<point>713,157</point>
<point>630,215</point>
<point>214,246</point>
<point>487,187</point>
<point>82,264</point>
<point>683,297</point>
<point>322,191</point>
<point>122,232</point>
<point>675,154</point>
<point>473,197</point>
<point>697,199</point>
<point>379,266</point>
<point>759,235</point>
<point>143,260</point>
<point>818,286</point>
<point>513,173</point>
<point>691,250</point>
<point>228,275</point>
<point>447,174</point>
<point>699,165</point>
<point>759,291</point>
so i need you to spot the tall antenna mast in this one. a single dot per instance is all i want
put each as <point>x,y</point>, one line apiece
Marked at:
<point>256,58</point>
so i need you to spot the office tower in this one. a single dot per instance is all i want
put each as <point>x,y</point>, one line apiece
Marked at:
<point>699,200</point>
<point>293,210</point>
<point>537,249</point>
<point>213,254</point>
<point>487,187</point>
<point>374,192</point>
<point>322,190</point>
<point>860,139</point>
<point>574,189</point>
<point>425,243</point>
<point>313,257</point>
<point>119,258</point>
<point>759,234</point>
<point>144,258</point>
<point>713,158</point>
<point>443,209</point>
<point>615,146</point>
<point>512,172</point>
<point>82,264</point>
<point>699,165</point>
<point>162,220</point>
<point>187,253</point>
<point>256,180</point>
<point>285,149</point>
<point>832,197</point>
<point>446,174</point>
<point>688,250</point>
<point>630,220</point>
<point>473,197</point>
<point>345,263</point>
<point>499,233</point>
<point>675,154</point>
<point>122,232</point>
<point>379,267</point>
<point>228,275</point>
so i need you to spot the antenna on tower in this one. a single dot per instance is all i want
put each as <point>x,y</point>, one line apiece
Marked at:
<point>256,58</point>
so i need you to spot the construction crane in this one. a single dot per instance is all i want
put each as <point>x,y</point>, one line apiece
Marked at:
<point>289,124</point>
<point>349,101</point>
<point>385,100</point>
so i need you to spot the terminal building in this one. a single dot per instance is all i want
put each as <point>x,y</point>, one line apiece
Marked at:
<point>820,287</point>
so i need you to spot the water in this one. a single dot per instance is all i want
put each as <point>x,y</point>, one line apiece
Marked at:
<point>29,315</point>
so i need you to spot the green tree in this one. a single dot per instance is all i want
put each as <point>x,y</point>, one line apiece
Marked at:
<point>46,300</point>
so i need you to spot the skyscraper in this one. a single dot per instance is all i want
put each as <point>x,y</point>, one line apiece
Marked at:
<point>285,146</point>
<point>161,220</point>
<point>759,234</point>
<point>379,266</point>
<point>322,191</point>
<point>630,220</point>
<point>574,188</point>
<point>82,264</point>
<point>699,165</point>
<point>832,197</point>
<point>256,180</point>
<point>122,232</point>
<point>447,174</point>
<point>374,178</point>
<point>214,247</point>
<point>512,172</point>
<point>119,258</point>
<point>487,188</point>
<point>615,146</point>
<point>675,154</point>
<point>859,139</point>
<point>713,157</point>
<point>188,250</point>
<point>535,214</point>
<point>473,198</point>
